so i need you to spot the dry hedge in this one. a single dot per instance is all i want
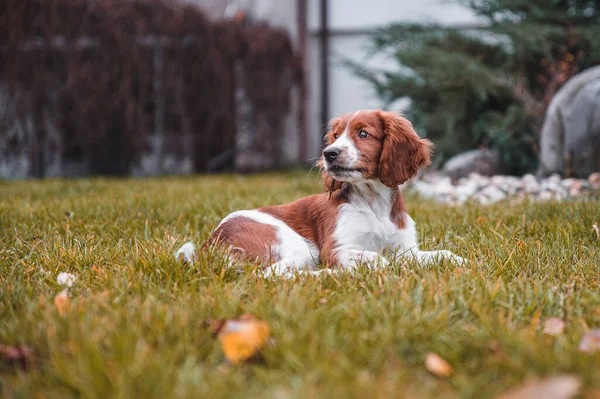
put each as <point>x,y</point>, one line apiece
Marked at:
<point>109,73</point>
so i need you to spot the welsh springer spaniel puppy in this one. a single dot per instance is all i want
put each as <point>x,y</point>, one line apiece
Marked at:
<point>360,219</point>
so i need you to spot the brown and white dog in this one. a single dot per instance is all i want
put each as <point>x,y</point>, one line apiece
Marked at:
<point>361,218</point>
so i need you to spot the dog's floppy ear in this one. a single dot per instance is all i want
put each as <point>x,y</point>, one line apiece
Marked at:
<point>331,185</point>
<point>404,152</point>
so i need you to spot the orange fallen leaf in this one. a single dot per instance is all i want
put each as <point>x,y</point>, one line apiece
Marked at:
<point>593,393</point>
<point>62,301</point>
<point>557,387</point>
<point>590,342</point>
<point>243,338</point>
<point>554,326</point>
<point>438,366</point>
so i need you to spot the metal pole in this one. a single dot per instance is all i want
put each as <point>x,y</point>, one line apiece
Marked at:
<point>324,63</point>
<point>301,21</point>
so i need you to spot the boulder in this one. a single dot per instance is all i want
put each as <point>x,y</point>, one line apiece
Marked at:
<point>570,137</point>
<point>484,162</point>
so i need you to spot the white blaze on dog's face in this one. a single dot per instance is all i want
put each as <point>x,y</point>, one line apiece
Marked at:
<point>373,145</point>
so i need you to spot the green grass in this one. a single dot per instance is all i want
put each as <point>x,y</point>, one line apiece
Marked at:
<point>136,328</point>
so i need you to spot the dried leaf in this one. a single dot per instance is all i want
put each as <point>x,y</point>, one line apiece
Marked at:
<point>595,227</point>
<point>554,326</point>
<point>557,387</point>
<point>592,394</point>
<point>66,279</point>
<point>242,339</point>
<point>590,342</point>
<point>16,355</point>
<point>62,301</point>
<point>438,366</point>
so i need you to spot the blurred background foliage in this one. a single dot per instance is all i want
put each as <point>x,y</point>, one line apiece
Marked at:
<point>489,85</point>
<point>111,85</point>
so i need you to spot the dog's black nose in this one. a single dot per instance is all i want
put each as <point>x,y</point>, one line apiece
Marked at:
<point>331,154</point>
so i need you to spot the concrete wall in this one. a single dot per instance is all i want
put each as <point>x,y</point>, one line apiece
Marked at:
<point>347,92</point>
<point>277,13</point>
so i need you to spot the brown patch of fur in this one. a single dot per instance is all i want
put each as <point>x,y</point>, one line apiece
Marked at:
<point>250,240</point>
<point>371,147</point>
<point>314,218</point>
<point>404,152</point>
<point>398,214</point>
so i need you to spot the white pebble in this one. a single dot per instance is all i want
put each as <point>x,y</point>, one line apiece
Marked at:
<point>465,191</point>
<point>493,194</point>
<point>554,179</point>
<point>66,279</point>
<point>496,188</point>
<point>594,180</point>
<point>545,196</point>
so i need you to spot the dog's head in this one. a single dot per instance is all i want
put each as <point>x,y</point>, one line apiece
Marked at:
<point>369,145</point>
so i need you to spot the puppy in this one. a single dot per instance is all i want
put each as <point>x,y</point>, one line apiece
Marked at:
<point>357,221</point>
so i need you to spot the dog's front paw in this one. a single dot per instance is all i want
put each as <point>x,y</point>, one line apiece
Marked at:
<point>285,271</point>
<point>374,260</point>
<point>459,261</point>
<point>351,259</point>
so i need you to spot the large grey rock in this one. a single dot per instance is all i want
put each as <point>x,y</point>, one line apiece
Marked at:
<point>483,162</point>
<point>570,137</point>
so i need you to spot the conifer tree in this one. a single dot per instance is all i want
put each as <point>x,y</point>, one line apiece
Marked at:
<point>488,86</point>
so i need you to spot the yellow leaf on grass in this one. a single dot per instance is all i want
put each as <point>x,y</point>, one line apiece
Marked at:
<point>557,387</point>
<point>242,339</point>
<point>62,301</point>
<point>438,366</point>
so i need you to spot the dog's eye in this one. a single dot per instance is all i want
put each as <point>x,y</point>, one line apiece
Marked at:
<point>335,136</point>
<point>363,135</point>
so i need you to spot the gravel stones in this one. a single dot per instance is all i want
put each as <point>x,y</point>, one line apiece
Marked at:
<point>488,190</point>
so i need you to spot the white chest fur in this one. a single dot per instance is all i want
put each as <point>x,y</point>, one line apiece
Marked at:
<point>364,223</point>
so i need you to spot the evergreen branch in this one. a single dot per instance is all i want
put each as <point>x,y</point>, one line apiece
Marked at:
<point>533,106</point>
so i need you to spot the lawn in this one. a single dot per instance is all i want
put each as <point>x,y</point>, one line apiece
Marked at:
<point>136,327</point>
